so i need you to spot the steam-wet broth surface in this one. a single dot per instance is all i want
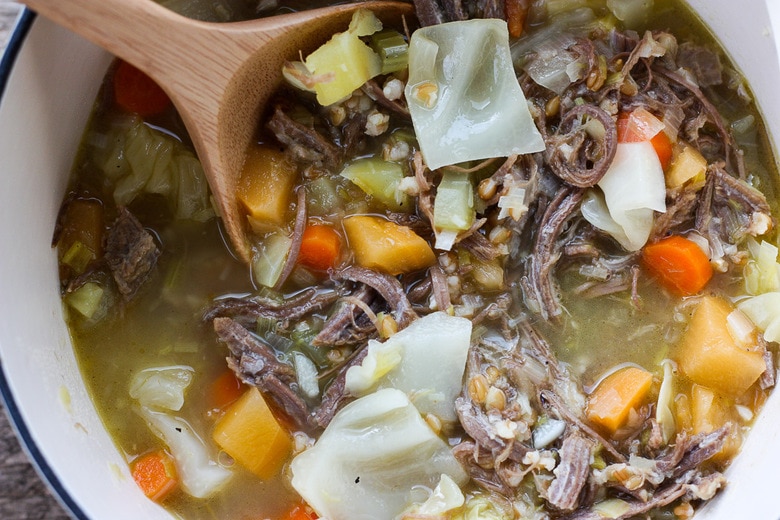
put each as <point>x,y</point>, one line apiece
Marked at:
<point>163,325</point>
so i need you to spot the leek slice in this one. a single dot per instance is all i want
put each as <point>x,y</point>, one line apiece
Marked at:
<point>463,106</point>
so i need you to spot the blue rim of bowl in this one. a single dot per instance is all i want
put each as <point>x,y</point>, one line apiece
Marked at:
<point>23,24</point>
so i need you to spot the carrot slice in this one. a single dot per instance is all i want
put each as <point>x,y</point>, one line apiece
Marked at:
<point>300,512</point>
<point>679,264</point>
<point>136,92</point>
<point>639,126</point>
<point>663,149</point>
<point>155,474</point>
<point>225,390</point>
<point>612,401</point>
<point>320,247</point>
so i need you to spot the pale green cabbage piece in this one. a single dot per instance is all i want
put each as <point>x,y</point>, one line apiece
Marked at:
<point>464,98</point>
<point>158,391</point>
<point>762,272</point>
<point>633,189</point>
<point>663,410</point>
<point>374,460</point>
<point>446,497</point>
<point>764,311</point>
<point>161,387</point>
<point>406,359</point>
<point>482,507</point>
<point>200,475</point>
<point>140,159</point>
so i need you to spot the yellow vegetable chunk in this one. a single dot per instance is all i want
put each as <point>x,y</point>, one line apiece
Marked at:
<point>709,355</point>
<point>687,164</point>
<point>266,185</point>
<point>709,412</point>
<point>345,63</point>
<point>250,434</point>
<point>387,247</point>
<point>614,398</point>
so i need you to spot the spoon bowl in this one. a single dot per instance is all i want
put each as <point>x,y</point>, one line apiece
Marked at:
<point>219,76</point>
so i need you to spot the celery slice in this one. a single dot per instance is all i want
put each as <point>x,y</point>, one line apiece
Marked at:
<point>379,179</point>
<point>270,257</point>
<point>78,256</point>
<point>392,50</point>
<point>86,299</point>
<point>454,206</point>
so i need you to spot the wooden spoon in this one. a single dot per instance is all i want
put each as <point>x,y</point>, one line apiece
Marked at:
<point>219,76</point>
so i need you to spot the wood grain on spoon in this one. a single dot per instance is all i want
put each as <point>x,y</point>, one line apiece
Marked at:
<point>219,76</point>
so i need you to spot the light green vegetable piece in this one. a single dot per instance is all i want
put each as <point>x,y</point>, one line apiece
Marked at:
<point>374,460</point>
<point>162,387</point>
<point>764,311</point>
<point>344,63</point>
<point>379,179</point>
<point>762,272</point>
<point>463,95</point>
<point>404,362</point>
<point>453,209</point>
<point>139,159</point>
<point>268,260</point>
<point>87,299</point>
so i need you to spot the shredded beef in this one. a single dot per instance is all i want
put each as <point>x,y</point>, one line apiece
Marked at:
<point>131,253</point>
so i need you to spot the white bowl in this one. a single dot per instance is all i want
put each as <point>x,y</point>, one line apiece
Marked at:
<point>48,82</point>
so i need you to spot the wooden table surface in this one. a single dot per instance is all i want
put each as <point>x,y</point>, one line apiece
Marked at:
<point>23,496</point>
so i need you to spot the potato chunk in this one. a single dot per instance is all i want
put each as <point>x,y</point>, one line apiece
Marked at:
<point>387,247</point>
<point>709,354</point>
<point>266,185</point>
<point>250,434</point>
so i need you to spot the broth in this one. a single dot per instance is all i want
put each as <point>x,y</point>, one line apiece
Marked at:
<point>162,324</point>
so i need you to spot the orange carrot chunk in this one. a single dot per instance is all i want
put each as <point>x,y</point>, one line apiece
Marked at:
<point>300,512</point>
<point>320,247</point>
<point>663,149</point>
<point>679,264</point>
<point>639,126</point>
<point>225,390</point>
<point>136,92</point>
<point>614,398</point>
<point>155,474</point>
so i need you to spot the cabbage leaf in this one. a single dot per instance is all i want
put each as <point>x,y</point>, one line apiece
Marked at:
<point>465,106</point>
<point>764,311</point>
<point>200,475</point>
<point>161,387</point>
<point>158,391</point>
<point>404,362</point>
<point>633,188</point>
<point>140,159</point>
<point>374,460</point>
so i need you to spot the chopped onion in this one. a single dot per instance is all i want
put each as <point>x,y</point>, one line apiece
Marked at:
<point>547,432</point>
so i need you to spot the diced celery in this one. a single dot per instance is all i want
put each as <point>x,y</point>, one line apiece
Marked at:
<point>270,257</point>
<point>392,50</point>
<point>454,206</point>
<point>379,179</point>
<point>86,299</point>
<point>78,256</point>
